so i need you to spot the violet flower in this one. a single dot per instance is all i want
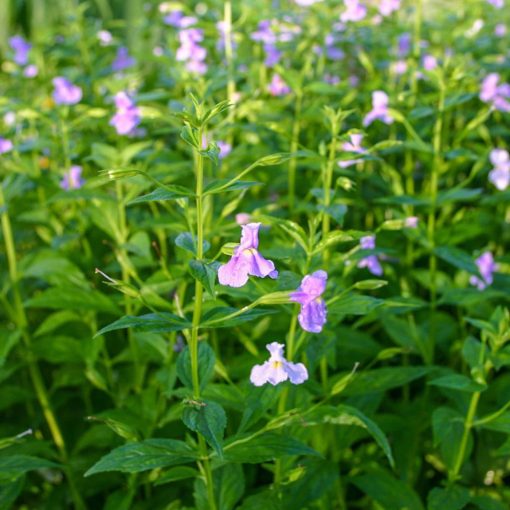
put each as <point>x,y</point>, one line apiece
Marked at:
<point>190,50</point>
<point>178,20</point>
<point>371,262</point>
<point>411,222</point>
<point>31,71</point>
<point>278,87</point>
<point>387,7</point>
<point>500,30</point>
<point>486,266</point>
<point>353,146</point>
<point>105,37</point>
<point>65,92</point>
<point>379,110</point>
<point>266,35</point>
<point>225,149</point>
<point>21,49</point>
<point>355,11</point>
<point>493,92</point>
<point>123,60</point>
<point>277,369</point>
<point>72,178</point>
<point>500,174</point>
<point>246,260</point>
<point>5,145</point>
<point>429,62</point>
<point>312,315</point>
<point>404,44</point>
<point>127,116</point>
<point>497,3</point>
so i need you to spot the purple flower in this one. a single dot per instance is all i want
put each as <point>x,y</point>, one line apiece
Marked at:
<point>178,20</point>
<point>225,149</point>
<point>5,145</point>
<point>486,266</point>
<point>243,218</point>
<point>353,146</point>
<point>500,30</point>
<point>105,37</point>
<point>411,222</point>
<point>127,116</point>
<point>429,62</point>
<point>21,49</point>
<point>404,44</point>
<point>387,7</point>
<point>312,316</point>
<point>278,87</point>
<point>497,3</point>
<point>264,33</point>
<point>371,262</point>
<point>72,178</point>
<point>331,79</point>
<point>123,60</point>
<point>500,174</point>
<point>31,71</point>
<point>246,260</point>
<point>355,11</point>
<point>277,369</point>
<point>65,92</point>
<point>190,50</point>
<point>379,109</point>
<point>399,67</point>
<point>306,3</point>
<point>493,92</point>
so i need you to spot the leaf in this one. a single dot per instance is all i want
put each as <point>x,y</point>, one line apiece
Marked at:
<point>229,480</point>
<point>160,195</point>
<point>175,474</point>
<point>458,195</point>
<point>384,379</point>
<point>9,492</point>
<point>148,454</point>
<point>448,427</point>
<point>13,466</point>
<point>389,492</point>
<point>213,318</point>
<point>449,498</point>
<point>223,186</point>
<point>370,284</point>
<point>209,420</point>
<point>162,322</point>
<point>205,274</point>
<point>264,448</point>
<point>206,362</point>
<point>73,298</point>
<point>347,415</point>
<point>191,136</point>
<point>354,304</point>
<point>457,258</point>
<point>458,382</point>
<point>187,242</point>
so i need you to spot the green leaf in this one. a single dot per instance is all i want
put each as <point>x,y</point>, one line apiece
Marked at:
<point>160,195</point>
<point>191,136</point>
<point>205,274</point>
<point>187,242</point>
<point>449,498</point>
<point>384,379</point>
<point>208,419</point>
<point>457,258</point>
<point>347,415</point>
<point>206,362</point>
<point>148,454</point>
<point>458,382</point>
<point>13,466</point>
<point>448,428</point>
<point>175,474</point>
<point>487,503</point>
<point>370,284</point>
<point>213,318</point>
<point>223,186</point>
<point>264,448</point>
<point>389,492</point>
<point>458,195</point>
<point>354,304</point>
<point>162,322</point>
<point>73,298</point>
<point>229,481</point>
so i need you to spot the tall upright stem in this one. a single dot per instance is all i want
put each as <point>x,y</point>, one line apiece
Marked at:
<point>197,313</point>
<point>33,368</point>
<point>294,144</point>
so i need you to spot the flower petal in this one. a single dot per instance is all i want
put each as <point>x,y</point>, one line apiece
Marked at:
<point>260,373</point>
<point>297,372</point>
<point>235,272</point>
<point>312,316</point>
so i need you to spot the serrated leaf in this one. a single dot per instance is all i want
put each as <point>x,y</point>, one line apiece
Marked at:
<point>145,455</point>
<point>209,420</point>
<point>206,362</point>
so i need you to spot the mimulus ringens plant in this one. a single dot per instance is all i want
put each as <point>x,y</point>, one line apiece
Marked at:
<point>312,316</point>
<point>277,369</point>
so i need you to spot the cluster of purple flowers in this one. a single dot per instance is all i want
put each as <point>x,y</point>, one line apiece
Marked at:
<point>247,261</point>
<point>498,94</point>
<point>267,36</point>
<point>65,92</point>
<point>127,116</point>
<point>190,50</point>
<point>500,174</point>
<point>355,11</point>
<point>21,49</point>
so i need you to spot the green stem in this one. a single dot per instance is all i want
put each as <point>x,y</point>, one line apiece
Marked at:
<point>197,313</point>
<point>33,367</point>
<point>294,143</point>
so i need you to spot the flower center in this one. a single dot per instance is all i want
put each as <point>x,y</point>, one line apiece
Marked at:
<point>277,364</point>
